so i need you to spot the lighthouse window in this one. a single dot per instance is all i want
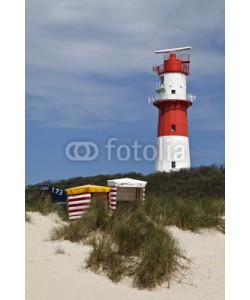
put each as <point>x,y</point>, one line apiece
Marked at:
<point>162,79</point>
<point>163,110</point>
<point>173,91</point>
<point>173,127</point>
<point>173,164</point>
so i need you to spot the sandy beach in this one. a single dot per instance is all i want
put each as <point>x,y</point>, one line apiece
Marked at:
<point>52,276</point>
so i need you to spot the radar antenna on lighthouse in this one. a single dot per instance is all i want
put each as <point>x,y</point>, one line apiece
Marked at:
<point>173,101</point>
<point>173,50</point>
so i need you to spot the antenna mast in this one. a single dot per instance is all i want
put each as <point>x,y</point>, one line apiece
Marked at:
<point>172,50</point>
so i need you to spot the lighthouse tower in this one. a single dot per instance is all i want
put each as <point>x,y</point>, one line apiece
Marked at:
<point>173,101</point>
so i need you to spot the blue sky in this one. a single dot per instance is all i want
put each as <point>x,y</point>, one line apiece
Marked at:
<point>89,75</point>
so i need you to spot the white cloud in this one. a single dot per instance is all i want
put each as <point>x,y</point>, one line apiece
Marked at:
<point>79,53</point>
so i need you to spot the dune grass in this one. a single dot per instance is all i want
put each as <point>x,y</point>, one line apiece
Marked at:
<point>134,241</point>
<point>59,250</point>
<point>39,206</point>
<point>186,213</point>
<point>126,243</point>
<point>130,228</point>
<point>157,251</point>
<point>159,259</point>
<point>104,258</point>
<point>96,218</point>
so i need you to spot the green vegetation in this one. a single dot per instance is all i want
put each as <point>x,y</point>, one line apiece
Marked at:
<point>186,213</point>
<point>204,181</point>
<point>134,241</point>
<point>104,258</point>
<point>96,218</point>
<point>126,243</point>
<point>190,199</point>
<point>39,206</point>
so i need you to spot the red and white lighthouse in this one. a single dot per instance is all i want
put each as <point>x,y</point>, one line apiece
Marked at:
<point>173,101</point>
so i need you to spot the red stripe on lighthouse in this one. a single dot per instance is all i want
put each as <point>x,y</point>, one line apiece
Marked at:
<point>172,117</point>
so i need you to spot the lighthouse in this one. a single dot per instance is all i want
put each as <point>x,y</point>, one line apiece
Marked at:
<point>172,102</point>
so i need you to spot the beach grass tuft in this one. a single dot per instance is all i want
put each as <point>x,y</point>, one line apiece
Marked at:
<point>59,250</point>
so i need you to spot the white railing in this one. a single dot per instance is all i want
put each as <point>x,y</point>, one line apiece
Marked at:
<point>159,87</point>
<point>152,99</point>
<point>191,97</point>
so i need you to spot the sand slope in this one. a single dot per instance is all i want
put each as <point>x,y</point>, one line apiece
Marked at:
<point>54,276</point>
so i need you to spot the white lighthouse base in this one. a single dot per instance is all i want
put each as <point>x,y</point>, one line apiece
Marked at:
<point>172,153</point>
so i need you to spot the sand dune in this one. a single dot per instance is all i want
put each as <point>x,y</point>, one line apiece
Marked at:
<point>54,276</point>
